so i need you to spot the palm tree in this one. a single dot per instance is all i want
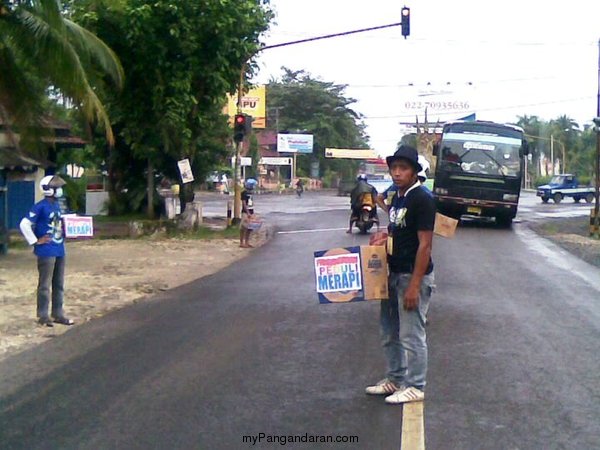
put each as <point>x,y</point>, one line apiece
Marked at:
<point>39,49</point>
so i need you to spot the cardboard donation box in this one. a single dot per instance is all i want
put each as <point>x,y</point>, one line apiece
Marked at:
<point>251,222</point>
<point>78,226</point>
<point>351,274</point>
<point>445,226</point>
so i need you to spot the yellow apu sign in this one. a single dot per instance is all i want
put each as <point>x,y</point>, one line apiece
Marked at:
<point>253,103</point>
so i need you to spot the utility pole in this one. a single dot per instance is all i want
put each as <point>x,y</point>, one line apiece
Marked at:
<point>597,122</point>
<point>552,153</point>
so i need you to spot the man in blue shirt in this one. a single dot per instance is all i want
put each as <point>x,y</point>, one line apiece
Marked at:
<point>43,229</point>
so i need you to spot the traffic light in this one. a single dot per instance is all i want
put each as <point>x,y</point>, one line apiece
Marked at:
<point>405,21</point>
<point>239,127</point>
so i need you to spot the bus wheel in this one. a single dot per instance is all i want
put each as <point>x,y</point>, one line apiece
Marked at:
<point>589,198</point>
<point>557,197</point>
<point>545,199</point>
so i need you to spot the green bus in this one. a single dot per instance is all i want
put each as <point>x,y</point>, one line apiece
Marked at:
<point>479,170</point>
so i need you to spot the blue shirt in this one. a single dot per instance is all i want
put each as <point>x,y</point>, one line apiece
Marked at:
<point>47,220</point>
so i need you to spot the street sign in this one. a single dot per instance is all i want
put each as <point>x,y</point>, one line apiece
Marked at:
<point>350,153</point>
<point>295,143</point>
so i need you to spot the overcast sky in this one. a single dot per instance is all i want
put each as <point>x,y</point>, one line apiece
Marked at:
<point>529,57</point>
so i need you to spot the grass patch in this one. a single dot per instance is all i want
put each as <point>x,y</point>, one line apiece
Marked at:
<point>207,233</point>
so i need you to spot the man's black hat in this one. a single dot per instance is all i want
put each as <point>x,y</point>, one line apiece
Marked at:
<point>408,153</point>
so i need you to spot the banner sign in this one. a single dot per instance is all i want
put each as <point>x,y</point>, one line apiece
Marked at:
<point>185,170</point>
<point>350,153</point>
<point>253,104</point>
<point>245,161</point>
<point>295,143</point>
<point>444,103</point>
<point>351,274</point>
<point>275,161</point>
<point>78,226</point>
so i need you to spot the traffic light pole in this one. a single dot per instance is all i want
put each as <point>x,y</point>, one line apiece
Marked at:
<point>405,24</point>
<point>237,176</point>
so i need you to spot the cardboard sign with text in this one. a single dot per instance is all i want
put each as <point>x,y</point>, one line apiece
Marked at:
<point>351,274</point>
<point>78,226</point>
<point>445,226</point>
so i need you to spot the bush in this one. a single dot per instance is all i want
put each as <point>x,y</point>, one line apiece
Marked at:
<point>585,180</point>
<point>538,181</point>
<point>75,193</point>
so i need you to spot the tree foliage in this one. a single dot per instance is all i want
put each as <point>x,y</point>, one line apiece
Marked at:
<point>40,49</point>
<point>579,144</point>
<point>309,105</point>
<point>181,57</point>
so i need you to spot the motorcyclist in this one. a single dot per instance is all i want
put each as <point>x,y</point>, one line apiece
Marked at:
<point>356,199</point>
<point>299,187</point>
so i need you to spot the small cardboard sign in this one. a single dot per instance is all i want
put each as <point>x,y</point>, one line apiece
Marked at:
<point>351,274</point>
<point>78,226</point>
<point>185,170</point>
<point>445,226</point>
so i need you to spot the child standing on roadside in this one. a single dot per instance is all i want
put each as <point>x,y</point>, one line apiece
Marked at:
<point>247,215</point>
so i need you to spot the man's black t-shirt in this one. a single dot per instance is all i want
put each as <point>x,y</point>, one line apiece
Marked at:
<point>247,197</point>
<point>409,214</point>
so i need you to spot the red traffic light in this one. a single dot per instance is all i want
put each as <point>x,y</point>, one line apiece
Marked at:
<point>240,119</point>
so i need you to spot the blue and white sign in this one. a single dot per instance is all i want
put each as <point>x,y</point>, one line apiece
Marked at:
<point>78,226</point>
<point>295,143</point>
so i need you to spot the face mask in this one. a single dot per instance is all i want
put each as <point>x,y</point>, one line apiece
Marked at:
<point>58,192</point>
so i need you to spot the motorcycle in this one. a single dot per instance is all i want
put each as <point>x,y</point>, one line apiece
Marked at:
<point>367,214</point>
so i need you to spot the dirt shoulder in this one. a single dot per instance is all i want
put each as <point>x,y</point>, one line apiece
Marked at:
<point>572,234</point>
<point>102,275</point>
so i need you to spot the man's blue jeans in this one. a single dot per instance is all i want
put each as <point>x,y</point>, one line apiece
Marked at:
<point>403,332</point>
<point>51,272</point>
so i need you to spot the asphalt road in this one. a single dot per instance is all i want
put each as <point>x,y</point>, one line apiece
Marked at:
<point>515,327</point>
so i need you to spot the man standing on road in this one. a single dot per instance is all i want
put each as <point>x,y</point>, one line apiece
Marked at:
<point>43,229</point>
<point>411,281</point>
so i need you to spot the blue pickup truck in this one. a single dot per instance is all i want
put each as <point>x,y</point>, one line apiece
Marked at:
<point>565,185</point>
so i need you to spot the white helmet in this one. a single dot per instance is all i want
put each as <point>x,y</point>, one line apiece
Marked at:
<point>424,167</point>
<point>51,185</point>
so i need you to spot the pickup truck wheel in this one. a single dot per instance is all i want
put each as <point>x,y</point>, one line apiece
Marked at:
<point>589,198</point>
<point>557,198</point>
<point>577,199</point>
<point>545,199</point>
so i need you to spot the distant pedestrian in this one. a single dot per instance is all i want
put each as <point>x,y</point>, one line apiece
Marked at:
<point>43,229</point>
<point>411,280</point>
<point>247,214</point>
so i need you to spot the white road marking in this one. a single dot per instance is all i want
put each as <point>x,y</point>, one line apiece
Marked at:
<point>413,428</point>
<point>319,230</point>
<point>572,213</point>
